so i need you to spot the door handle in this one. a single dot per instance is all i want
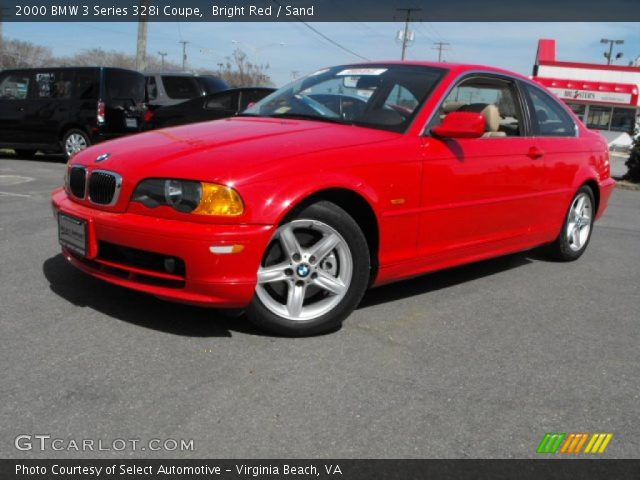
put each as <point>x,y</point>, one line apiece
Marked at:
<point>20,109</point>
<point>535,153</point>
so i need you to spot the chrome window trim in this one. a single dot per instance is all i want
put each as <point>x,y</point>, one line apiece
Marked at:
<point>116,192</point>
<point>470,73</point>
<point>86,181</point>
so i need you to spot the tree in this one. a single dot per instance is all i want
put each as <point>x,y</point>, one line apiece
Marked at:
<point>98,57</point>
<point>19,54</point>
<point>239,71</point>
<point>113,58</point>
<point>633,163</point>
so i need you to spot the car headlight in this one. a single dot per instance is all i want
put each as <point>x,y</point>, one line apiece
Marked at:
<point>199,198</point>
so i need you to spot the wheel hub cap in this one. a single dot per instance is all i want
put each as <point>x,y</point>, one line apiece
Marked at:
<point>303,270</point>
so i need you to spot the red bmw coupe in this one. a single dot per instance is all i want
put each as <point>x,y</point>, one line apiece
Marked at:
<point>351,177</point>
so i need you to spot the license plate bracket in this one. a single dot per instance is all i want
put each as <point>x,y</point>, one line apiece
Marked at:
<point>72,233</point>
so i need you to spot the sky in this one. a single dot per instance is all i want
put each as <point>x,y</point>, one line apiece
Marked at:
<point>290,47</point>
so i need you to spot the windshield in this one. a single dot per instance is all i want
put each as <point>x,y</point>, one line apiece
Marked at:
<point>377,96</point>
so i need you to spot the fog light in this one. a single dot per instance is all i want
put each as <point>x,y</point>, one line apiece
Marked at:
<point>170,264</point>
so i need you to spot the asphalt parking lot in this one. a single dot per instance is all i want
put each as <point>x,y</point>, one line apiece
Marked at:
<point>479,361</point>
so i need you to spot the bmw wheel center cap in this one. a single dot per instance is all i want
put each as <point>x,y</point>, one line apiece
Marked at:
<point>303,270</point>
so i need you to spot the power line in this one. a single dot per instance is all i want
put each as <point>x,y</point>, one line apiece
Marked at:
<point>328,39</point>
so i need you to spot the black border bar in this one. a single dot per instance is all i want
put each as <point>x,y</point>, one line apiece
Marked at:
<point>545,469</point>
<point>322,10</point>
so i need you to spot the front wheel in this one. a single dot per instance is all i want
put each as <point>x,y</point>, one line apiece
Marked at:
<point>577,227</point>
<point>313,274</point>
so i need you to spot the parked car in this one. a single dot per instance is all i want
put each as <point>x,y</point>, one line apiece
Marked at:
<point>293,209</point>
<point>210,107</point>
<point>68,109</point>
<point>173,88</point>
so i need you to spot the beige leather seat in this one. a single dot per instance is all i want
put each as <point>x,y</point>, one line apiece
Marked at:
<point>492,116</point>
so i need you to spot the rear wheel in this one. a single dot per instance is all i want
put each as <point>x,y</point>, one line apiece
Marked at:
<point>75,141</point>
<point>577,227</point>
<point>313,273</point>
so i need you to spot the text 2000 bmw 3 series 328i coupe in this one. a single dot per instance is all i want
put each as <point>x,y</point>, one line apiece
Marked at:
<point>351,177</point>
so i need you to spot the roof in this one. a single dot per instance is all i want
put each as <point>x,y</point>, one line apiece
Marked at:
<point>453,67</point>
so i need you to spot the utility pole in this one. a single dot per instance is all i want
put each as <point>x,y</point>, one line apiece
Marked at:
<point>184,53</point>
<point>440,46</point>
<point>405,35</point>
<point>610,54</point>
<point>2,10</point>
<point>141,50</point>
<point>162,55</point>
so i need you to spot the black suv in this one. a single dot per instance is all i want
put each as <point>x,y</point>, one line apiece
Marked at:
<point>68,109</point>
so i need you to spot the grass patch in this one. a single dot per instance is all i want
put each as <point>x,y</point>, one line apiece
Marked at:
<point>627,185</point>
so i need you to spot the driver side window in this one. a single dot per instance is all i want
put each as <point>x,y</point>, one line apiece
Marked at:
<point>495,99</point>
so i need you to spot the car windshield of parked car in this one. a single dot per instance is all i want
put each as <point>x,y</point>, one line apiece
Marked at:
<point>377,96</point>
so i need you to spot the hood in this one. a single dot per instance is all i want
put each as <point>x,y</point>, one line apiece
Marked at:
<point>234,149</point>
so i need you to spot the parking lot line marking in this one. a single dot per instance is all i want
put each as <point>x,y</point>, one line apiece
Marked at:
<point>10,194</point>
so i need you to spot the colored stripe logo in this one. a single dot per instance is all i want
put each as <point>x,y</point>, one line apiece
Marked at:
<point>573,443</point>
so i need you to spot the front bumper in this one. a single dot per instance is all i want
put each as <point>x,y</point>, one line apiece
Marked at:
<point>209,279</point>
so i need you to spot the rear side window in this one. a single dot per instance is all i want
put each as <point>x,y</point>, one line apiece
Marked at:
<point>14,86</point>
<point>86,85</point>
<point>54,84</point>
<point>125,85</point>
<point>180,88</point>
<point>549,118</point>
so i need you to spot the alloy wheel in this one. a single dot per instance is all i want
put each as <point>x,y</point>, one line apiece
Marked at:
<point>74,143</point>
<point>579,222</point>
<point>306,272</point>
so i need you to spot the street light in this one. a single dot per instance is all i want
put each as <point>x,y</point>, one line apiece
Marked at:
<point>609,55</point>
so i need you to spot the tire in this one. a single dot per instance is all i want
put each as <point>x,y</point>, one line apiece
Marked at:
<point>74,141</point>
<point>25,152</point>
<point>311,289</point>
<point>576,228</point>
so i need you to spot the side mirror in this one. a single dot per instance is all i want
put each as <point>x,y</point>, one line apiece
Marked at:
<point>461,125</point>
